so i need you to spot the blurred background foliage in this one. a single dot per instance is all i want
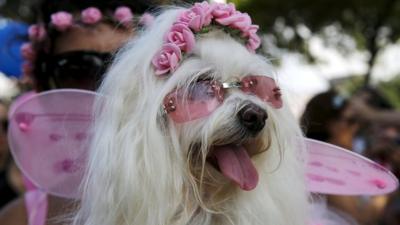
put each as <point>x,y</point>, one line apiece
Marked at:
<point>391,90</point>
<point>347,25</point>
<point>21,10</point>
<point>349,85</point>
<point>371,24</point>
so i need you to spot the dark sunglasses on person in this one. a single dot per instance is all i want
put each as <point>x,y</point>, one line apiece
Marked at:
<point>78,69</point>
<point>4,125</point>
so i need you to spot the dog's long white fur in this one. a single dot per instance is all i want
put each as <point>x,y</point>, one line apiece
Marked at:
<point>139,172</point>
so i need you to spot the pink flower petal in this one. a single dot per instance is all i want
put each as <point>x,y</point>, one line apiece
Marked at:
<point>251,31</point>
<point>37,32</point>
<point>190,40</point>
<point>27,52</point>
<point>174,60</point>
<point>124,15</point>
<point>167,59</point>
<point>196,23</point>
<point>253,43</point>
<point>182,36</point>
<point>161,71</point>
<point>61,20</point>
<point>238,20</point>
<point>220,10</point>
<point>91,15</point>
<point>146,19</point>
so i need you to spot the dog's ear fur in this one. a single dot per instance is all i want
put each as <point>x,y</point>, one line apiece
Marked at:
<point>132,166</point>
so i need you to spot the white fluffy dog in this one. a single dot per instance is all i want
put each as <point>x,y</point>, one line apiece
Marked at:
<point>241,164</point>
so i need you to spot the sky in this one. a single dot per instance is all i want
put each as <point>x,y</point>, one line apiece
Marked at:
<point>302,80</point>
<point>7,87</point>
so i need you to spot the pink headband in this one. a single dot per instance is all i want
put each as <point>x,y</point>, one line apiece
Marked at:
<point>201,18</point>
<point>62,21</point>
<point>92,15</point>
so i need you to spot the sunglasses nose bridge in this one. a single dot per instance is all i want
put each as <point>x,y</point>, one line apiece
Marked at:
<point>218,90</point>
<point>233,84</point>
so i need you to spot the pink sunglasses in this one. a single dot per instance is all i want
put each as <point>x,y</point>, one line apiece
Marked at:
<point>205,96</point>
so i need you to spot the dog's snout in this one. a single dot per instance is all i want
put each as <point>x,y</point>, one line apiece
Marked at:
<point>252,117</point>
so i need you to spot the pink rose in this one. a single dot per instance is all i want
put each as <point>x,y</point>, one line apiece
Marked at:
<point>61,20</point>
<point>124,15</point>
<point>27,69</point>
<point>220,10</point>
<point>237,20</point>
<point>181,36</point>
<point>27,52</point>
<point>167,59</point>
<point>254,40</point>
<point>91,15</point>
<point>250,31</point>
<point>146,19</point>
<point>207,12</point>
<point>197,17</point>
<point>253,43</point>
<point>37,32</point>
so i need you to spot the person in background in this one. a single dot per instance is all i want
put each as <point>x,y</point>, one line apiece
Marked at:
<point>71,47</point>
<point>372,106</point>
<point>4,152</point>
<point>380,135</point>
<point>327,117</point>
<point>8,178</point>
<point>334,119</point>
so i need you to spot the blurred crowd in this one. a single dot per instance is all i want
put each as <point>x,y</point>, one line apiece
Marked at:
<point>365,122</point>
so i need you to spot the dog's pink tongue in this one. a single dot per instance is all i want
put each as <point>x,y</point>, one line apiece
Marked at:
<point>235,163</point>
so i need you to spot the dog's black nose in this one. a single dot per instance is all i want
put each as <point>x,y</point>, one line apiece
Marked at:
<point>252,117</point>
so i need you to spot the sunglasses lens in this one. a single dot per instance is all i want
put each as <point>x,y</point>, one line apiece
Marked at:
<point>79,70</point>
<point>264,88</point>
<point>198,101</point>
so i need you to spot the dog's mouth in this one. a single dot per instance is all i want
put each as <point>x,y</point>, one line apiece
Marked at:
<point>234,162</point>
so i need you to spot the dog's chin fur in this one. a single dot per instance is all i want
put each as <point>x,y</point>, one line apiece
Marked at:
<point>146,169</point>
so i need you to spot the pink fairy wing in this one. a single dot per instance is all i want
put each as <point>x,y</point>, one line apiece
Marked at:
<point>49,133</point>
<point>48,136</point>
<point>334,170</point>
<point>20,99</point>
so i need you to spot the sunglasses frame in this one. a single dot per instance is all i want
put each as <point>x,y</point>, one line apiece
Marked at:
<point>218,89</point>
<point>54,63</point>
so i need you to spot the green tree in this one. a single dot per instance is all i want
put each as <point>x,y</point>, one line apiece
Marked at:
<point>391,90</point>
<point>372,24</point>
<point>18,9</point>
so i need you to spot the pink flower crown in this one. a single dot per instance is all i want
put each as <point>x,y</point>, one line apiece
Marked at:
<point>62,21</point>
<point>201,18</point>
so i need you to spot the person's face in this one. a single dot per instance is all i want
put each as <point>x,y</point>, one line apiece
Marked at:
<point>384,145</point>
<point>101,37</point>
<point>343,129</point>
<point>81,42</point>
